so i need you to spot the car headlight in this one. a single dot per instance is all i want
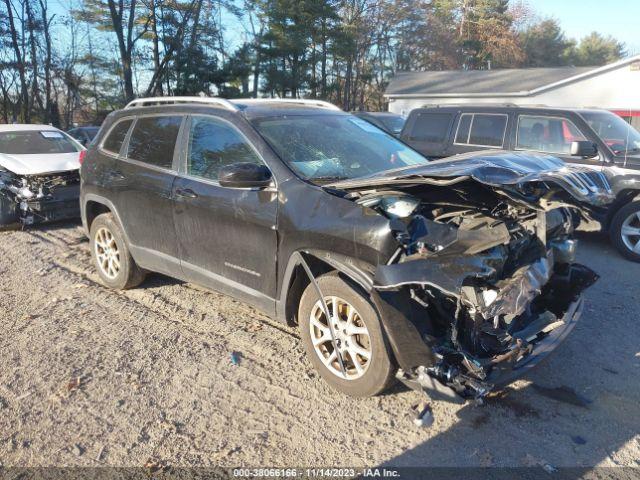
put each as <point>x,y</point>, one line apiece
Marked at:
<point>399,207</point>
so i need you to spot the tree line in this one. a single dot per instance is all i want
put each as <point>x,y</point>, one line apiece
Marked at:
<point>69,61</point>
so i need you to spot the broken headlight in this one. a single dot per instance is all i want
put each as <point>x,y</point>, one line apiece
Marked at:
<point>399,207</point>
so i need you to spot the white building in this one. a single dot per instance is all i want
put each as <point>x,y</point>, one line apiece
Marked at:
<point>615,87</point>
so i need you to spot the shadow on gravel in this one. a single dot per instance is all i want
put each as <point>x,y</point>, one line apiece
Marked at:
<point>581,408</point>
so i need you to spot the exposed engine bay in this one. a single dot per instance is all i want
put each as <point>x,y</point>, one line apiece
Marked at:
<point>483,273</point>
<point>32,199</point>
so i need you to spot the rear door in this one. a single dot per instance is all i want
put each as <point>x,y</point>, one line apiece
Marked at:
<point>227,236</point>
<point>141,185</point>
<point>552,135</point>
<point>475,131</point>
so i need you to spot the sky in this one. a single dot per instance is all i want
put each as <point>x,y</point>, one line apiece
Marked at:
<point>619,18</point>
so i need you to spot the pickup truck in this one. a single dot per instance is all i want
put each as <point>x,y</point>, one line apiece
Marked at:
<point>595,138</point>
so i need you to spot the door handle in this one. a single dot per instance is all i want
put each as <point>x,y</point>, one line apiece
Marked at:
<point>115,176</point>
<point>186,192</point>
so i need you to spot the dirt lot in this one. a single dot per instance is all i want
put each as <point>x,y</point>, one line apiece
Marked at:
<point>94,377</point>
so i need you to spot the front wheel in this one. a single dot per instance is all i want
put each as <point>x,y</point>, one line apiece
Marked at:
<point>625,231</point>
<point>367,367</point>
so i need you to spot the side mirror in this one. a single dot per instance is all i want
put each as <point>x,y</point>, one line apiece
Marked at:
<point>584,148</point>
<point>244,175</point>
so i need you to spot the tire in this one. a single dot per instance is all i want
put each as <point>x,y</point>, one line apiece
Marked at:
<point>626,221</point>
<point>106,231</point>
<point>378,370</point>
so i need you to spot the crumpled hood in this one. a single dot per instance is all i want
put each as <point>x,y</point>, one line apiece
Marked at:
<point>40,164</point>
<point>497,168</point>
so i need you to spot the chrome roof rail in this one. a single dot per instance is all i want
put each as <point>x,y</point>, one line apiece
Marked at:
<point>299,101</point>
<point>142,102</point>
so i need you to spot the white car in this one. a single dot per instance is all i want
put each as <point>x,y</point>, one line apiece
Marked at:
<point>39,174</point>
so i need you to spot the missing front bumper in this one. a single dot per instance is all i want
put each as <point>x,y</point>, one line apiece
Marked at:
<point>453,374</point>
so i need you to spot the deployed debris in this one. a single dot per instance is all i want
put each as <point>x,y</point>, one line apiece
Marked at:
<point>423,415</point>
<point>235,358</point>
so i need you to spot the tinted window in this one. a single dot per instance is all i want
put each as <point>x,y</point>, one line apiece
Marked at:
<point>547,134</point>
<point>153,140</point>
<point>393,124</point>
<point>34,142</point>
<point>462,135</point>
<point>114,141</point>
<point>431,127</point>
<point>617,134</point>
<point>213,144</point>
<point>90,132</point>
<point>484,130</point>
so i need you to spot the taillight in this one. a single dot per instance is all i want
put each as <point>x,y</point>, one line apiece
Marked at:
<point>83,153</point>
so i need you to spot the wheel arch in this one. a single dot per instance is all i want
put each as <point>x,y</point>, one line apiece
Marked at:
<point>623,198</point>
<point>296,280</point>
<point>94,205</point>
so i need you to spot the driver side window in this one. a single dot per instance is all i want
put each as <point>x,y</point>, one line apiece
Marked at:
<point>547,134</point>
<point>213,144</point>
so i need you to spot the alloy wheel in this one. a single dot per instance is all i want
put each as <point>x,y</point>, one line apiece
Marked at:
<point>630,232</point>
<point>107,253</point>
<point>351,334</point>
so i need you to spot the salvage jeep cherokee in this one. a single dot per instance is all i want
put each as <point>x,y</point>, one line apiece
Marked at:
<point>451,276</point>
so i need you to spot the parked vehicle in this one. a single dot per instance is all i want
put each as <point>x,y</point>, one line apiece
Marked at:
<point>389,122</point>
<point>84,134</point>
<point>597,139</point>
<point>452,276</point>
<point>39,178</point>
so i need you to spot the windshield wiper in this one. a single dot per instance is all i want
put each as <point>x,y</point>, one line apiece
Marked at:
<point>327,179</point>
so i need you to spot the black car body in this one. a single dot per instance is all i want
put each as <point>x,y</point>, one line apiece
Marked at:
<point>389,122</point>
<point>600,140</point>
<point>465,267</point>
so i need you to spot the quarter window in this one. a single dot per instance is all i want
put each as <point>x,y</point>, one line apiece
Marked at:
<point>213,144</point>
<point>114,141</point>
<point>431,127</point>
<point>547,134</point>
<point>482,130</point>
<point>153,140</point>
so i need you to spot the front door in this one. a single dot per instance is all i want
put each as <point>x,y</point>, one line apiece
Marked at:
<point>552,135</point>
<point>227,236</point>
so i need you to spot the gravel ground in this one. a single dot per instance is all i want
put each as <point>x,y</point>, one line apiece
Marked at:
<point>92,377</point>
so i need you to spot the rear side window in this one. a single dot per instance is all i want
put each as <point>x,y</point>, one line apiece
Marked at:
<point>547,134</point>
<point>113,143</point>
<point>431,127</point>
<point>213,144</point>
<point>153,140</point>
<point>481,130</point>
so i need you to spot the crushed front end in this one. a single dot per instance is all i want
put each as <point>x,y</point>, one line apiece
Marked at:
<point>33,199</point>
<point>484,283</point>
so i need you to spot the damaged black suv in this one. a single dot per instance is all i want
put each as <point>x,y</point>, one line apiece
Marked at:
<point>451,276</point>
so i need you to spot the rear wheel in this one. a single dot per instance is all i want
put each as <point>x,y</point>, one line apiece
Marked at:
<point>625,231</point>
<point>368,366</point>
<point>114,263</point>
